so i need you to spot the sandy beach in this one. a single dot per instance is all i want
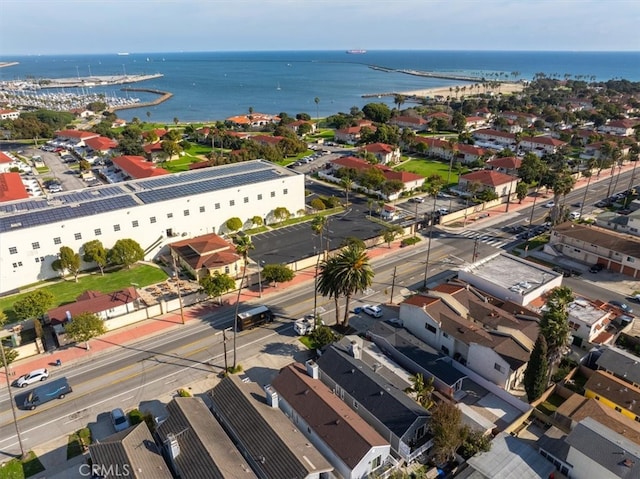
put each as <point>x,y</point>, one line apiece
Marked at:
<point>505,88</point>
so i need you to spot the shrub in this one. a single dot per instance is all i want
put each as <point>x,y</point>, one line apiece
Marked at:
<point>135,417</point>
<point>183,393</point>
<point>410,241</point>
<point>317,204</point>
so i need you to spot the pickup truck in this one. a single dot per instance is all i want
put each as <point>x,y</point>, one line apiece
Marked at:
<point>306,325</point>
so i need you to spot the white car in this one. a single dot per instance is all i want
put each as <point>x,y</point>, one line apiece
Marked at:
<point>373,311</point>
<point>551,204</point>
<point>418,199</point>
<point>32,377</point>
<point>574,215</point>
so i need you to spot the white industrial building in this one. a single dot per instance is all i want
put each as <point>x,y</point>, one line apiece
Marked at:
<point>154,212</point>
<point>510,278</point>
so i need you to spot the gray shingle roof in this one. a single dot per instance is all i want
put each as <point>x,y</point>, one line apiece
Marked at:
<point>133,448</point>
<point>206,452</point>
<point>607,448</point>
<point>271,444</point>
<point>390,406</point>
<point>621,363</point>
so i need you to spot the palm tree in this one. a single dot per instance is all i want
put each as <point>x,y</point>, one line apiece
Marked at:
<point>318,224</point>
<point>347,184</point>
<point>588,173</point>
<point>563,183</point>
<point>398,100</point>
<point>243,246</point>
<point>345,274</point>
<point>422,390</point>
<point>316,100</point>
<point>434,185</point>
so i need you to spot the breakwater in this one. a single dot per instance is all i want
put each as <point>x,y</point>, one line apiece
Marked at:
<point>164,96</point>
<point>441,75</point>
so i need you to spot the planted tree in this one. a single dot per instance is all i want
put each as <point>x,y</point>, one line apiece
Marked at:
<point>421,390</point>
<point>448,431</point>
<point>390,234</point>
<point>537,373</point>
<point>84,327</point>
<point>521,191</point>
<point>243,246</point>
<point>277,273</point>
<point>68,260</point>
<point>125,252</point>
<point>318,226</point>
<point>233,224</point>
<point>281,214</point>
<point>554,325</point>
<point>95,252</point>
<point>34,304</point>
<point>257,220</point>
<point>10,354</point>
<point>217,284</point>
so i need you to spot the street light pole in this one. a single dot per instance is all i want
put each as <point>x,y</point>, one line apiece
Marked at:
<point>3,335</point>
<point>260,279</point>
<point>177,276</point>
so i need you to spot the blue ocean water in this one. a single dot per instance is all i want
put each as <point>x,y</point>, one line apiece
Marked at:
<point>211,86</point>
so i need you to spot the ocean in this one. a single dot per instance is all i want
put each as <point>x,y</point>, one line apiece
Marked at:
<point>210,86</point>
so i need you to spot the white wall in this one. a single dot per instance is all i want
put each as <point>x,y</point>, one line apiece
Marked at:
<point>29,267</point>
<point>586,468</point>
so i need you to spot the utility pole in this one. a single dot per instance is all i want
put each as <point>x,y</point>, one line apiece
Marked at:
<point>224,348</point>
<point>475,251</point>
<point>13,406</point>
<point>393,284</point>
<point>315,289</point>
<point>177,276</point>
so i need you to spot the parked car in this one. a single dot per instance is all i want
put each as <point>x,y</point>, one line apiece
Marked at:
<point>623,306</point>
<point>373,311</point>
<point>636,298</point>
<point>417,199</point>
<point>596,268</point>
<point>32,377</point>
<point>577,205</point>
<point>119,420</point>
<point>574,215</point>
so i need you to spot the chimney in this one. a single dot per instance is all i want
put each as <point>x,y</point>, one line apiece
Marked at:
<point>172,446</point>
<point>312,369</point>
<point>355,350</point>
<point>271,396</point>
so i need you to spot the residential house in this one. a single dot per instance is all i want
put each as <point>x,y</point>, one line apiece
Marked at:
<point>263,434</point>
<point>352,134</point>
<point>588,322</point>
<point>625,127</point>
<point>494,139</point>
<point>195,444</point>
<point>206,255</point>
<point>396,417</point>
<point>154,151</point>
<point>492,338</point>
<point>389,213</point>
<point>75,138</point>
<point>136,167</point>
<point>457,151</point>
<point>267,140</point>
<point>12,188</point>
<point>508,458</point>
<point>499,183</point>
<point>626,224</point>
<point>439,115</point>
<point>524,119</point>
<point>81,113</point>
<point>540,145</point>
<point>352,447</point>
<point>9,114</point>
<point>294,125</point>
<point>621,364</point>
<point>129,453</point>
<point>119,123</point>
<point>591,450</point>
<point>159,133</point>
<point>592,244</point>
<point>103,305</point>
<point>101,146</point>
<point>254,120</point>
<point>614,393</point>
<point>476,122</point>
<point>415,123</point>
<point>508,165</point>
<point>6,162</point>
<point>386,154</point>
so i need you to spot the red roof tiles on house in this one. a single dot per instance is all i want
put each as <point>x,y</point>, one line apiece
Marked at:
<point>206,251</point>
<point>378,148</point>
<point>4,158</point>
<point>488,177</point>
<point>102,143</point>
<point>11,187</point>
<point>77,134</point>
<point>93,302</point>
<point>138,167</point>
<point>507,162</point>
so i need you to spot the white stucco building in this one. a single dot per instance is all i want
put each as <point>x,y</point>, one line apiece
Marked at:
<point>154,212</point>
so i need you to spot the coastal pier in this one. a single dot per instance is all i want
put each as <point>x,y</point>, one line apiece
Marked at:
<point>164,96</point>
<point>82,82</point>
<point>442,75</point>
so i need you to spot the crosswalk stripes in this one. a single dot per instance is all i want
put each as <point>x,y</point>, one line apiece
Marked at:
<point>489,239</point>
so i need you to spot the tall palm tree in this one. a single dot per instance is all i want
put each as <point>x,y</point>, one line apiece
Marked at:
<point>422,390</point>
<point>563,183</point>
<point>434,185</point>
<point>345,274</point>
<point>347,184</point>
<point>398,100</point>
<point>318,225</point>
<point>243,246</point>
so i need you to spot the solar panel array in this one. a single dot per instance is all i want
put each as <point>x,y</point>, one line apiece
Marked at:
<point>213,184</point>
<point>77,204</point>
<point>61,213</point>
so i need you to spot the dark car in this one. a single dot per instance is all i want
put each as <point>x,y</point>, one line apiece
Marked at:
<point>623,306</point>
<point>596,268</point>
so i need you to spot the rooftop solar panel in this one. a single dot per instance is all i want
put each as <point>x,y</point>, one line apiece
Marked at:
<point>26,205</point>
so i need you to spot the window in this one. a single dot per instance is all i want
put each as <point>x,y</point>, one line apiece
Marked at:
<point>445,334</point>
<point>202,209</point>
<point>217,206</point>
<point>19,263</point>
<point>185,212</point>
<point>246,199</point>
<point>35,245</point>
<point>376,462</point>
<point>57,240</point>
<point>78,236</point>
<point>134,223</point>
<point>232,203</point>
<point>630,259</point>
<point>152,219</point>
<point>169,215</point>
<point>637,418</point>
<point>259,196</point>
<point>355,404</point>
<point>430,328</point>
<point>618,408</point>
<point>445,349</point>
<point>15,265</point>
<point>597,398</point>
<point>97,231</point>
<point>37,260</point>
<point>116,227</point>
<point>273,194</point>
<point>226,270</point>
<point>285,191</point>
<point>13,250</point>
<point>497,367</point>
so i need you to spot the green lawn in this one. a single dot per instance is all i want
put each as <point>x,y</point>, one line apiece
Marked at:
<point>77,441</point>
<point>67,291</point>
<point>16,469</point>
<point>180,164</point>
<point>551,404</point>
<point>427,167</point>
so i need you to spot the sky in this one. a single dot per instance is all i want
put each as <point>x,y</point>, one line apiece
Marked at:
<point>104,26</point>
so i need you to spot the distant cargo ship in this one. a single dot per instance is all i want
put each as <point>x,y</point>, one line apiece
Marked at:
<point>356,52</point>
<point>123,54</point>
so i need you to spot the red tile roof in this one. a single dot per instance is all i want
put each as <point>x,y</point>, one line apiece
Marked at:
<point>93,302</point>
<point>490,132</point>
<point>4,158</point>
<point>101,143</point>
<point>543,140</point>
<point>266,139</point>
<point>389,174</point>
<point>138,167</point>
<point>378,148</point>
<point>488,177</point>
<point>152,148</point>
<point>78,134</point>
<point>11,187</point>
<point>206,251</point>
<point>409,119</point>
<point>507,162</point>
